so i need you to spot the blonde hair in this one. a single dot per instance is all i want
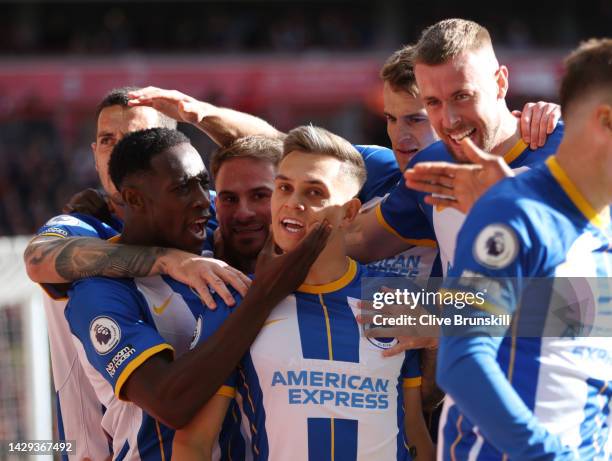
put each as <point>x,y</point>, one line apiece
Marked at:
<point>311,139</point>
<point>449,38</point>
<point>254,147</point>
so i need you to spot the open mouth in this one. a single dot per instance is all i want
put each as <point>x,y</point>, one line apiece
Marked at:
<point>458,137</point>
<point>292,225</point>
<point>198,227</point>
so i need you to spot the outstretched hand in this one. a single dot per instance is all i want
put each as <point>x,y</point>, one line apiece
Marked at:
<point>458,185</point>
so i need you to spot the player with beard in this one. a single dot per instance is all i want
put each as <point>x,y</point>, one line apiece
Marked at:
<point>244,180</point>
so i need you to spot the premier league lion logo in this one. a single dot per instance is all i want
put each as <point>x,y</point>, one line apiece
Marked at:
<point>495,244</point>
<point>103,334</point>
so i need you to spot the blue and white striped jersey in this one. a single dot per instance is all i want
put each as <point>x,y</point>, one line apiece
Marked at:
<point>537,397</point>
<point>405,214</point>
<point>313,387</point>
<point>117,324</point>
<point>79,412</point>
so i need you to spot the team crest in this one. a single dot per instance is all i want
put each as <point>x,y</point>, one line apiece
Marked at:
<point>196,333</point>
<point>496,246</point>
<point>104,334</point>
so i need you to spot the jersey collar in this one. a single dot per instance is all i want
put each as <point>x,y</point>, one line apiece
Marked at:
<point>600,220</point>
<point>515,151</point>
<point>336,285</point>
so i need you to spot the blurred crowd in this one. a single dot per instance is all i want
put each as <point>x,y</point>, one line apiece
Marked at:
<point>44,159</point>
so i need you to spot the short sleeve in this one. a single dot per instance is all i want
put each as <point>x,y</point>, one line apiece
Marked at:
<point>400,214</point>
<point>411,370</point>
<point>106,316</point>
<point>382,169</point>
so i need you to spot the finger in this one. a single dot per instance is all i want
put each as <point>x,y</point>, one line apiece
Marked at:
<point>399,348</point>
<point>311,246</point>
<point>526,121</point>
<point>202,290</point>
<point>442,202</point>
<point>441,168</point>
<point>268,248</point>
<point>516,113</point>
<point>431,175</point>
<point>543,131</point>
<point>554,119</point>
<point>441,189</point>
<point>473,153</point>
<point>231,278</point>
<point>216,283</point>
<point>536,118</point>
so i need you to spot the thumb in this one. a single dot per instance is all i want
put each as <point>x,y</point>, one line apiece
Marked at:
<point>473,153</point>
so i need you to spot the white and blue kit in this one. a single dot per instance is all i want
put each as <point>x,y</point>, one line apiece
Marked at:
<point>79,413</point>
<point>529,398</point>
<point>313,387</point>
<point>405,214</point>
<point>117,324</point>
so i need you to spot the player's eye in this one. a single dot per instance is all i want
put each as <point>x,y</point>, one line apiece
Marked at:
<point>315,193</point>
<point>260,195</point>
<point>432,103</point>
<point>462,97</point>
<point>390,118</point>
<point>283,187</point>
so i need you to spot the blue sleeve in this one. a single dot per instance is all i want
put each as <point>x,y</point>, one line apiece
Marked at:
<point>495,242</point>
<point>411,369</point>
<point>401,215</point>
<point>383,171</point>
<point>72,225</point>
<point>106,315</point>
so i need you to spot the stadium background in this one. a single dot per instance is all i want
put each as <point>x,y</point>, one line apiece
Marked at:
<point>287,61</point>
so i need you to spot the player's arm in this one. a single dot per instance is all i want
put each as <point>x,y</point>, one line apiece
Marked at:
<point>195,441</point>
<point>53,259</point>
<point>368,240</point>
<point>222,125</point>
<point>467,363</point>
<point>174,391</point>
<point>414,424</point>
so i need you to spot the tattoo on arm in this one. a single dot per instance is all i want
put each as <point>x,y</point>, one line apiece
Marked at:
<point>77,258</point>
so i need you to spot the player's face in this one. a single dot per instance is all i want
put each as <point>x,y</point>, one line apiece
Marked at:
<point>463,98</point>
<point>244,188</point>
<point>308,189</point>
<point>407,124</point>
<point>114,123</point>
<point>177,199</point>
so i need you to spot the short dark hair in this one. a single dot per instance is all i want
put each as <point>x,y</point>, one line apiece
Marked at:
<point>255,147</point>
<point>119,97</point>
<point>398,71</point>
<point>133,154</point>
<point>587,68</point>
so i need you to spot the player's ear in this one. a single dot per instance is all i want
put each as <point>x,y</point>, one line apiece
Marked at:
<point>133,198</point>
<point>501,76</point>
<point>351,210</point>
<point>604,117</point>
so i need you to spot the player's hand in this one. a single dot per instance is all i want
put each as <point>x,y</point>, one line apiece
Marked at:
<point>458,185</point>
<point>173,103</point>
<point>91,202</point>
<point>204,275</point>
<point>279,275</point>
<point>409,337</point>
<point>538,120</point>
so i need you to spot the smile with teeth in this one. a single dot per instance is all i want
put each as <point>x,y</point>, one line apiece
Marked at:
<point>459,136</point>
<point>292,225</point>
<point>198,227</point>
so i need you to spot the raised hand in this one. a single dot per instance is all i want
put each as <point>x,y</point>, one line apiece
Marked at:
<point>279,275</point>
<point>458,185</point>
<point>172,103</point>
<point>538,120</point>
